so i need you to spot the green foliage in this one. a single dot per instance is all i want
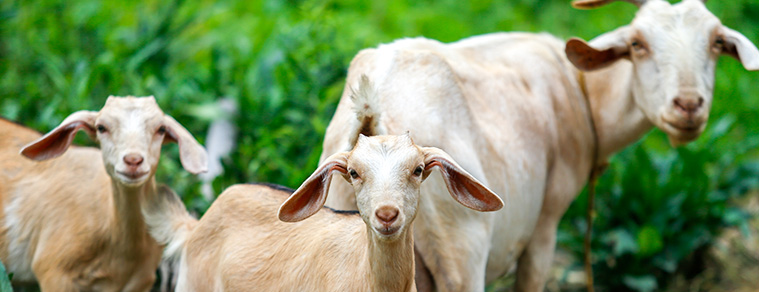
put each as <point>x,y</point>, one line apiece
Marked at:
<point>658,208</point>
<point>284,64</point>
<point>5,279</point>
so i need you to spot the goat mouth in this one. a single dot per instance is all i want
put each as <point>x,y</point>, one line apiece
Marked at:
<point>680,134</point>
<point>689,128</point>
<point>387,230</point>
<point>684,130</point>
<point>132,176</point>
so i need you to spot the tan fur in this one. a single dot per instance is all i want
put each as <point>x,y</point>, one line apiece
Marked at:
<point>229,251</point>
<point>240,245</point>
<point>511,108</point>
<point>67,225</point>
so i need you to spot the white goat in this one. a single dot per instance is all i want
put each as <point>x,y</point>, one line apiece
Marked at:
<point>240,245</point>
<point>65,223</point>
<point>516,113</point>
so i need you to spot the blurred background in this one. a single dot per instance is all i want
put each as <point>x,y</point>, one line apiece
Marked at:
<point>668,219</point>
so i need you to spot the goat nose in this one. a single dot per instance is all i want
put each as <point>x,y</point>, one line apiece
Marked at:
<point>386,214</point>
<point>133,159</point>
<point>688,105</point>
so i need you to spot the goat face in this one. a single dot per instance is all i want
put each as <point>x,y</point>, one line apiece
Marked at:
<point>131,132</point>
<point>673,50</point>
<point>386,175</point>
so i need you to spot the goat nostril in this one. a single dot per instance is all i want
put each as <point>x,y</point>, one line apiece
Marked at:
<point>386,214</point>
<point>133,159</point>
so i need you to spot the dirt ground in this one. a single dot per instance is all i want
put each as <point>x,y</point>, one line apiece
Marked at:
<point>733,262</point>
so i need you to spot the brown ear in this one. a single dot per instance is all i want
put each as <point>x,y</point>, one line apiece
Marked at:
<point>463,187</point>
<point>590,4</point>
<point>193,156</point>
<point>601,52</point>
<point>311,195</point>
<point>57,141</point>
<point>740,48</point>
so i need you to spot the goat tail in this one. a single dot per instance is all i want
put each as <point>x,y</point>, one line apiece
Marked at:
<point>365,106</point>
<point>168,222</point>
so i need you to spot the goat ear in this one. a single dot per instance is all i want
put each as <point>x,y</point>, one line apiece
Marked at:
<point>311,195</point>
<point>57,141</point>
<point>590,4</point>
<point>462,185</point>
<point>601,52</point>
<point>740,48</point>
<point>192,155</point>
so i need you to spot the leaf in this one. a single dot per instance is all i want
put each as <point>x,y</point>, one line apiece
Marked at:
<point>5,282</point>
<point>649,241</point>
<point>641,283</point>
<point>622,241</point>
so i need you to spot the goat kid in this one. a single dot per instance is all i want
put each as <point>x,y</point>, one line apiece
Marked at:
<point>72,221</point>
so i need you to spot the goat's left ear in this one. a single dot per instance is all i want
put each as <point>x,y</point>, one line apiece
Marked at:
<point>601,52</point>
<point>463,187</point>
<point>193,156</point>
<point>740,48</point>
<point>311,195</point>
<point>57,141</point>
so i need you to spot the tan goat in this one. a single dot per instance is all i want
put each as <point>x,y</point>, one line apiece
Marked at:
<point>517,114</point>
<point>240,245</point>
<point>65,223</point>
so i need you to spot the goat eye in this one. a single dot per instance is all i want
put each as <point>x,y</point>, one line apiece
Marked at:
<point>636,45</point>
<point>101,129</point>
<point>353,173</point>
<point>719,43</point>
<point>162,130</point>
<point>418,171</point>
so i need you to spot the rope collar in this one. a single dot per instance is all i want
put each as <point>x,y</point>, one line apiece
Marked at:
<point>596,170</point>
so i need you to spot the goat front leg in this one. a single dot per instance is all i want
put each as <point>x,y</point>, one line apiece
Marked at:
<point>535,262</point>
<point>452,241</point>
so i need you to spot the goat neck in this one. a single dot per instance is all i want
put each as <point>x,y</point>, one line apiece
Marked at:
<point>618,121</point>
<point>389,262</point>
<point>127,202</point>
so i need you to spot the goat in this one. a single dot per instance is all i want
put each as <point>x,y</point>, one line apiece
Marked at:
<point>73,223</point>
<point>514,110</point>
<point>240,245</point>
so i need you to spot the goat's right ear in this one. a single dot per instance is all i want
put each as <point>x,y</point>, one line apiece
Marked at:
<point>55,142</point>
<point>192,155</point>
<point>601,52</point>
<point>462,186</point>
<point>740,48</point>
<point>311,195</point>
